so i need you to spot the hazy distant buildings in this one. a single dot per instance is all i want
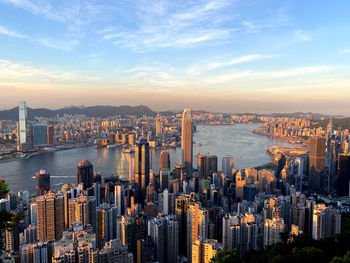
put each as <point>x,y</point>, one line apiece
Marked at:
<point>187,141</point>
<point>317,155</point>
<point>42,182</point>
<point>85,174</point>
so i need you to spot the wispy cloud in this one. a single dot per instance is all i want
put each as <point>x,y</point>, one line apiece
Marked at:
<point>344,51</point>
<point>302,35</point>
<point>203,67</point>
<point>20,72</point>
<point>8,32</point>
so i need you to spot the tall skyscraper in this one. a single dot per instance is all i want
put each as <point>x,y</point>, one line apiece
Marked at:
<point>50,135</point>
<point>39,135</point>
<point>228,163</point>
<point>85,174</point>
<point>22,127</point>
<point>42,182</point>
<point>159,127</point>
<point>317,155</point>
<point>206,164</point>
<point>164,161</point>
<point>142,166</point>
<point>50,216</point>
<point>187,141</point>
<point>343,180</point>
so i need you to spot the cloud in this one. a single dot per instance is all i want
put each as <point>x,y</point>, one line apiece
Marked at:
<point>19,72</point>
<point>208,66</point>
<point>7,32</point>
<point>301,35</point>
<point>344,51</point>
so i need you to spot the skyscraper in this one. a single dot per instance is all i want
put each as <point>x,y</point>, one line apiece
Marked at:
<point>50,135</point>
<point>228,163</point>
<point>39,135</point>
<point>343,180</point>
<point>50,217</point>
<point>142,165</point>
<point>206,164</point>
<point>164,161</point>
<point>42,182</point>
<point>317,155</point>
<point>22,124</point>
<point>187,141</point>
<point>85,174</point>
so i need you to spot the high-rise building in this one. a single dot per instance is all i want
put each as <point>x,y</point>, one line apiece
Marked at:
<point>272,230</point>
<point>159,127</point>
<point>50,135</point>
<point>50,216</point>
<point>82,209</point>
<point>197,225</point>
<point>187,141</point>
<point>157,232</point>
<point>39,135</point>
<point>172,239</point>
<point>317,155</point>
<point>206,164</point>
<point>85,174</point>
<point>22,123</point>
<point>42,182</point>
<point>114,251</point>
<point>203,250</point>
<point>326,222</point>
<point>228,163</point>
<point>343,179</point>
<point>142,167</point>
<point>164,160</point>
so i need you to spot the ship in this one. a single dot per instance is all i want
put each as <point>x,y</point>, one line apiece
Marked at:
<point>112,146</point>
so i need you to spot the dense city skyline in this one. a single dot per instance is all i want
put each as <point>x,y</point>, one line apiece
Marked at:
<point>231,56</point>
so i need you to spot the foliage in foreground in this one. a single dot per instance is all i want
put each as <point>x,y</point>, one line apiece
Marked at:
<point>301,249</point>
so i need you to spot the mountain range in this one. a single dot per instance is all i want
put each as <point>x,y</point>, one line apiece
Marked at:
<point>90,111</point>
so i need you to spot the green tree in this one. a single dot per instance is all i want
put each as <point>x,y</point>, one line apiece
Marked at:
<point>226,257</point>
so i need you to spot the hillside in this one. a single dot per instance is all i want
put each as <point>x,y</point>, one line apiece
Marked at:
<point>91,111</point>
<point>343,123</point>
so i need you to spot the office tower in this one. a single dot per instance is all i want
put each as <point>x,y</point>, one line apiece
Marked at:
<point>39,135</point>
<point>164,160</point>
<point>240,183</point>
<point>159,127</point>
<point>326,222</point>
<point>249,192</point>
<point>85,174</point>
<point>118,198</point>
<point>206,164</point>
<point>142,166</point>
<point>228,163</point>
<point>203,250</point>
<point>197,225</point>
<point>317,155</point>
<point>157,232</point>
<point>187,141</point>
<point>50,135</point>
<point>42,182</point>
<point>343,178</point>
<point>114,251</point>
<point>50,216</point>
<point>181,205</point>
<point>164,178</point>
<point>22,124</point>
<point>272,230</point>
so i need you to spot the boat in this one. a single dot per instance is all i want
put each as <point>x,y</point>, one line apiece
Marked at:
<point>112,146</point>
<point>129,150</point>
<point>33,177</point>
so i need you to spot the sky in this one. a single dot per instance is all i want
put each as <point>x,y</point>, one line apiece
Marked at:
<point>218,55</point>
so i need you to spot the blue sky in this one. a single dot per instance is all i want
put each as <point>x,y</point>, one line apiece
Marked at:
<point>233,56</point>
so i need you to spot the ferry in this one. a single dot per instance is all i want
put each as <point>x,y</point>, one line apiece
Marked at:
<point>112,146</point>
